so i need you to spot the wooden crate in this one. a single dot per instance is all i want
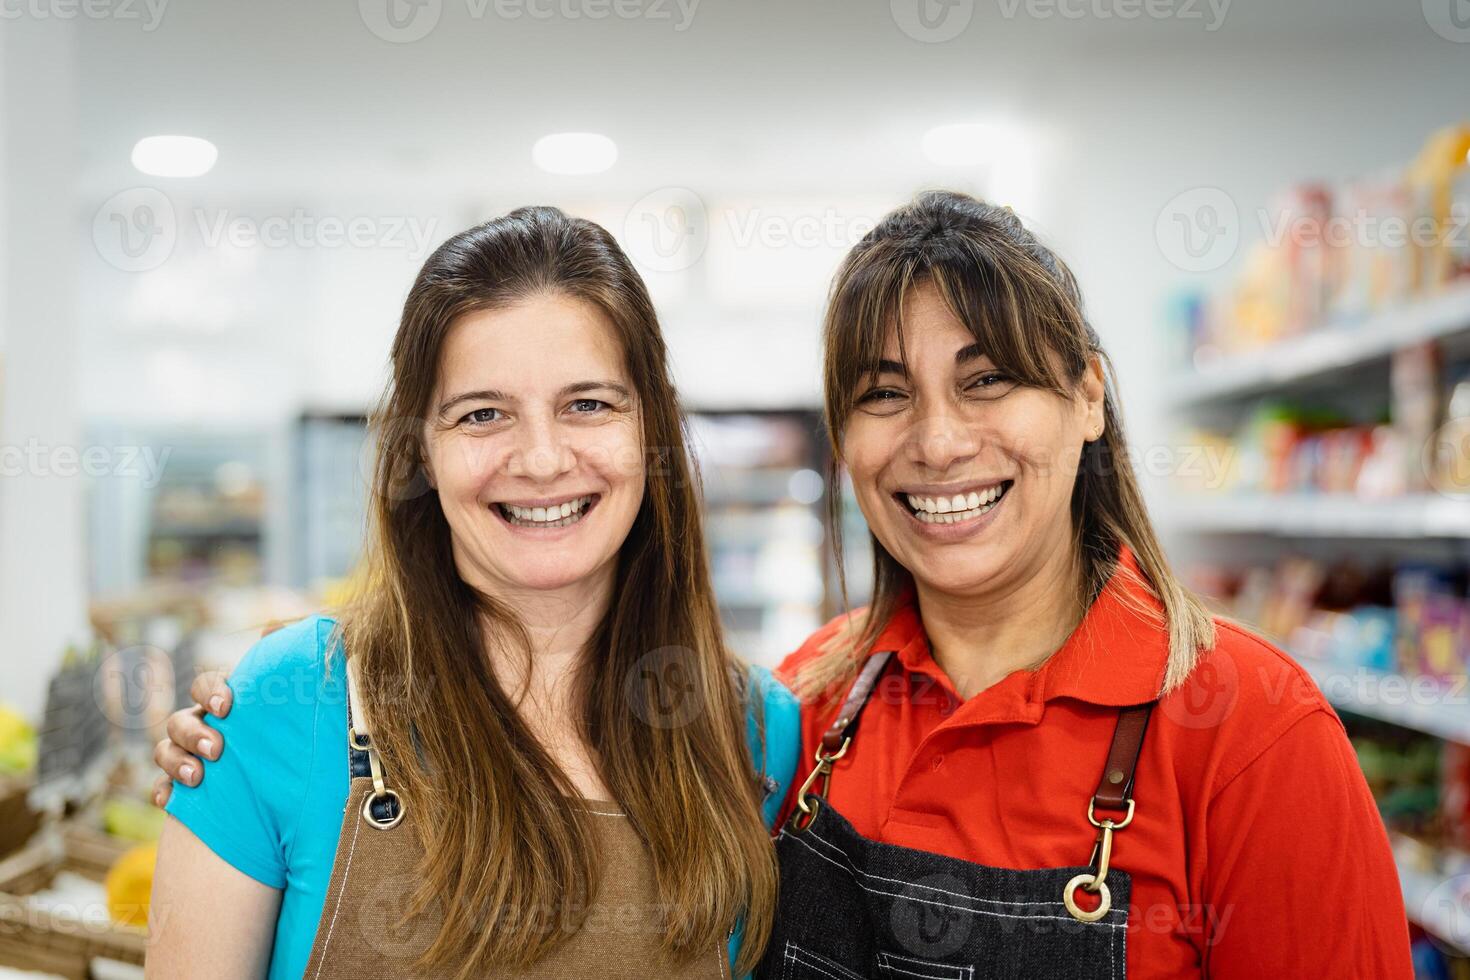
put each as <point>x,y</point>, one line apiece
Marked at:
<point>34,938</point>
<point>18,822</point>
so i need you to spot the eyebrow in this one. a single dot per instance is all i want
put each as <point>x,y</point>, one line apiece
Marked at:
<point>576,388</point>
<point>964,355</point>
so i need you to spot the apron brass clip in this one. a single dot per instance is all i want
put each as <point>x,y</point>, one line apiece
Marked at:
<point>823,770</point>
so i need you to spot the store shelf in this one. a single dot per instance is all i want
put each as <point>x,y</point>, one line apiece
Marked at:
<point>1322,515</point>
<point>1419,703</point>
<point>1330,348</point>
<point>1432,897</point>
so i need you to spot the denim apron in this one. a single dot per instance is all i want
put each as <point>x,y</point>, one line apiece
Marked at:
<point>851,908</point>
<point>364,930</point>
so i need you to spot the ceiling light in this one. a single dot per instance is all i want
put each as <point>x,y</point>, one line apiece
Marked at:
<point>574,153</point>
<point>174,156</point>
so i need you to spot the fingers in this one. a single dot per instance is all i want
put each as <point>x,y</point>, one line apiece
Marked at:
<point>210,690</point>
<point>163,788</point>
<point>179,764</point>
<point>187,730</point>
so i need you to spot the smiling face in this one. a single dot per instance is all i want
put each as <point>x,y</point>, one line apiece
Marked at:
<point>964,475</point>
<point>534,444</point>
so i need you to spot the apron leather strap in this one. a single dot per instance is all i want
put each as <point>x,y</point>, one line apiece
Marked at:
<point>1116,786</point>
<point>845,724</point>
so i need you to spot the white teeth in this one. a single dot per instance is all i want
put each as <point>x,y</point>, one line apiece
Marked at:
<point>956,509</point>
<point>557,515</point>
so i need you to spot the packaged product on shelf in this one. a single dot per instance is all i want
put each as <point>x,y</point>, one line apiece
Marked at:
<point>1448,459</point>
<point>1434,623</point>
<point>1373,227</point>
<point>1305,215</point>
<point>1416,409</point>
<point>1439,181</point>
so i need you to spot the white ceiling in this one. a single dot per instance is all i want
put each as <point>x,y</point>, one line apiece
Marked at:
<point>301,96</point>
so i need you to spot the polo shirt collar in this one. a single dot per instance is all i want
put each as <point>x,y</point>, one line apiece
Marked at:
<point>1116,656</point>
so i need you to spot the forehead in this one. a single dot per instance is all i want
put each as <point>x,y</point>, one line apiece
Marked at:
<point>539,343</point>
<point>926,328</point>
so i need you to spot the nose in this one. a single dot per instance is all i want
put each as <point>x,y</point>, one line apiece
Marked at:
<point>941,439</point>
<point>541,453</point>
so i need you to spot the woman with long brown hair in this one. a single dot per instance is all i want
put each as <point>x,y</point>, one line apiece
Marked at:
<point>1065,766</point>
<point>523,748</point>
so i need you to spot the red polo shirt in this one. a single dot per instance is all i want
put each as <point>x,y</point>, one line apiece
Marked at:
<point>1256,850</point>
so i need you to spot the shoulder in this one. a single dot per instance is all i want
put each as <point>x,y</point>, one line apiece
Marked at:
<point>1240,700</point>
<point>288,655</point>
<point>774,731</point>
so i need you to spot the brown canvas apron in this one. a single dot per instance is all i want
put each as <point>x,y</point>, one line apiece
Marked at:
<point>362,932</point>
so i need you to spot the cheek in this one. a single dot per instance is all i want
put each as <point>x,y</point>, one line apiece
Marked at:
<point>614,453</point>
<point>462,464</point>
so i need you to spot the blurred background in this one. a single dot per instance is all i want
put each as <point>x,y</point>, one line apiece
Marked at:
<point>212,213</point>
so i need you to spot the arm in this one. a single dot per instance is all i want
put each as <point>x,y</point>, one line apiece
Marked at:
<point>196,894</point>
<point>1299,878</point>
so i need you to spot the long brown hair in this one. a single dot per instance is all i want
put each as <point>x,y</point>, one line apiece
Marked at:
<point>1022,305</point>
<point>511,864</point>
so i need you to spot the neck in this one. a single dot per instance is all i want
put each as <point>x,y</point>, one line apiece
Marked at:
<point>559,624</point>
<point>978,639</point>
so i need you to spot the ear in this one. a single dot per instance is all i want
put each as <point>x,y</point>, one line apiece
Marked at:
<point>1094,390</point>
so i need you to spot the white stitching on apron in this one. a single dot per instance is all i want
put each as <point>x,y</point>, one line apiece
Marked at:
<point>961,908</point>
<point>346,872</point>
<point>897,881</point>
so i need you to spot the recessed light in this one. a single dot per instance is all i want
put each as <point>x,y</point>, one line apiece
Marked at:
<point>574,153</point>
<point>962,144</point>
<point>174,156</point>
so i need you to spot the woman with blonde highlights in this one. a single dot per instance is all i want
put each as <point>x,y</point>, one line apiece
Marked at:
<point>523,749</point>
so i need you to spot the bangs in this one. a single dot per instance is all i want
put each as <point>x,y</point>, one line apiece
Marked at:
<point>1021,318</point>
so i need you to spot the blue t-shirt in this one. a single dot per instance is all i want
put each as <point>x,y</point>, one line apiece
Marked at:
<point>271,805</point>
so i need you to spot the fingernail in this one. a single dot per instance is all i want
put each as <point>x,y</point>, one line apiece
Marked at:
<point>187,771</point>
<point>158,799</point>
<point>216,704</point>
<point>206,747</point>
